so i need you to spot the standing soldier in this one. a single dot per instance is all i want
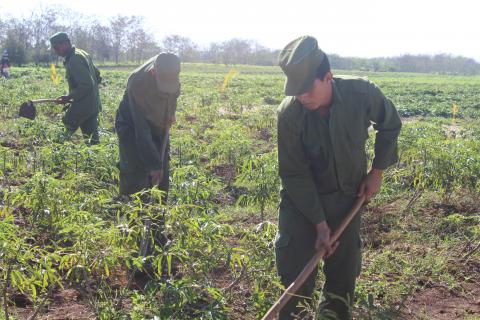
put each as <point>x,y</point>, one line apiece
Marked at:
<point>143,121</point>
<point>322,130</point>
<point>83,80</point>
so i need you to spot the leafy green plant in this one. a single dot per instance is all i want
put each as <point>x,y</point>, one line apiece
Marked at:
<point>259,175</point>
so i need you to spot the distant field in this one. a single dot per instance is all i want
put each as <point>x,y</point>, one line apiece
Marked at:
<point>69,241</point>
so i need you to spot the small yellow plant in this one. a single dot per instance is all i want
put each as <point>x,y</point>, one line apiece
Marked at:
<point>455,109</point>
<point>230,75</point>
<point>54,75</point>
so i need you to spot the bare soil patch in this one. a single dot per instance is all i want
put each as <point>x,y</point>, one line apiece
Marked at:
<point>442,303</point>
<point>67,304</point>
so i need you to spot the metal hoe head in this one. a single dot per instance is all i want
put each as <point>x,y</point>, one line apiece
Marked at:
<point>28,110</point>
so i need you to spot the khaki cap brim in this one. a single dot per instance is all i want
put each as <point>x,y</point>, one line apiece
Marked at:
<point>296,88</point>
<point>299,61</point>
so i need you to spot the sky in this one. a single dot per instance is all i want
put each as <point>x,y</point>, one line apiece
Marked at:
<point>366,28</point>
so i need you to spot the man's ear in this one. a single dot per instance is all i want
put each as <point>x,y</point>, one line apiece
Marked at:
<point>329,76</point>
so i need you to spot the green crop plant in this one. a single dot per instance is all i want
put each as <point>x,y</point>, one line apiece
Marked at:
<point>259,175</point>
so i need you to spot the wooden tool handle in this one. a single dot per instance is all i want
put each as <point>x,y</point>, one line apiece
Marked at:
<point>44,100</point>
<point>164,143</point>
<point>313,263</point>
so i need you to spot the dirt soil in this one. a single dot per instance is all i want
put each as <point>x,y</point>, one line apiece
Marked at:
<point>66,305</point>
<point>442,303</point>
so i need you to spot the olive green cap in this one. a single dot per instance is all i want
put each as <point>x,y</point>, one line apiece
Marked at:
<point>167,70</point>
<point>299,61</point>
<point>58,38</point>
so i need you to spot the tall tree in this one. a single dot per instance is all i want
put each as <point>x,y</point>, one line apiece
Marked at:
<point>237,51</point>
<point>213,53</point>
<point>15,47</point>
<point>118,27</point>
<point>40,26</point>
<point>101,41</point>
<point>185,48</point>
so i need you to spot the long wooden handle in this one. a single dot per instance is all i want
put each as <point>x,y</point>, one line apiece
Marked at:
<point>164,143</point>
<point>313,263</point>
<point>44,100</point>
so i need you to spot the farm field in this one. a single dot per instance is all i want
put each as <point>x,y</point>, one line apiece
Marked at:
<point>68,241</point>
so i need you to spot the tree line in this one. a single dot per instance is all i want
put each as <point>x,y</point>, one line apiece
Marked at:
<point>439,63</point>
<point>125,39</point>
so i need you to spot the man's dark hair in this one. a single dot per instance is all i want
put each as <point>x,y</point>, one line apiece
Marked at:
<point>323,69</point>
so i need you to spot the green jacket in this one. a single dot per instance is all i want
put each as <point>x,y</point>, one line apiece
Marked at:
<point>83,80</point>
<point>145,113</point>
<point>356,104</point>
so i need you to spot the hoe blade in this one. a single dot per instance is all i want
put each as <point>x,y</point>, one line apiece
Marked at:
<point>28,110</point>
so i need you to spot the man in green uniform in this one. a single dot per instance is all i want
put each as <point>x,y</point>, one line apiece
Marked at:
<point>322,130</point>
<point>144,117</point>
<point>142,123</point>
<point>83,80</point>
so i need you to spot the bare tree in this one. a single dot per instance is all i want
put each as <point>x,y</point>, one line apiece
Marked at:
<point>15,46</point>
<point>119,28</point>
<point>144,45</point>
<point>81,37</point>
<point>140,44</point>
<point>237,51</point>
<point>185,48</point>
<point>3,31</point>
<point>101,41</point>
<point>40,26</point>
<point>213,53</point>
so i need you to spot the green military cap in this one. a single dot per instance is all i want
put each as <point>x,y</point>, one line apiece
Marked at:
<point>299,61</point>
<point>58,38</point>
<point>167,70</point>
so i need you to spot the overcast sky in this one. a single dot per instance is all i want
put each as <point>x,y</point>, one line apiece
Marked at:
<point>363,28</point>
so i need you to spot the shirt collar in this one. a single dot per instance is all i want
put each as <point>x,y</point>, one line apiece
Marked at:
<point>70,52</point>
<point>337,97</point>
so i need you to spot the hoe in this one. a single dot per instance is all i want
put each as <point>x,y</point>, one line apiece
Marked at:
<point>28,110</point>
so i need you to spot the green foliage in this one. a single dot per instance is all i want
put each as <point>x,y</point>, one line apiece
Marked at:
<point>259,175</point>
<point>63,224</point>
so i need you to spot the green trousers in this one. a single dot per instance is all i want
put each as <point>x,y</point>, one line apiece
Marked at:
<point>294,247</point>
<point>134,177</point>
<point>87,123</point>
